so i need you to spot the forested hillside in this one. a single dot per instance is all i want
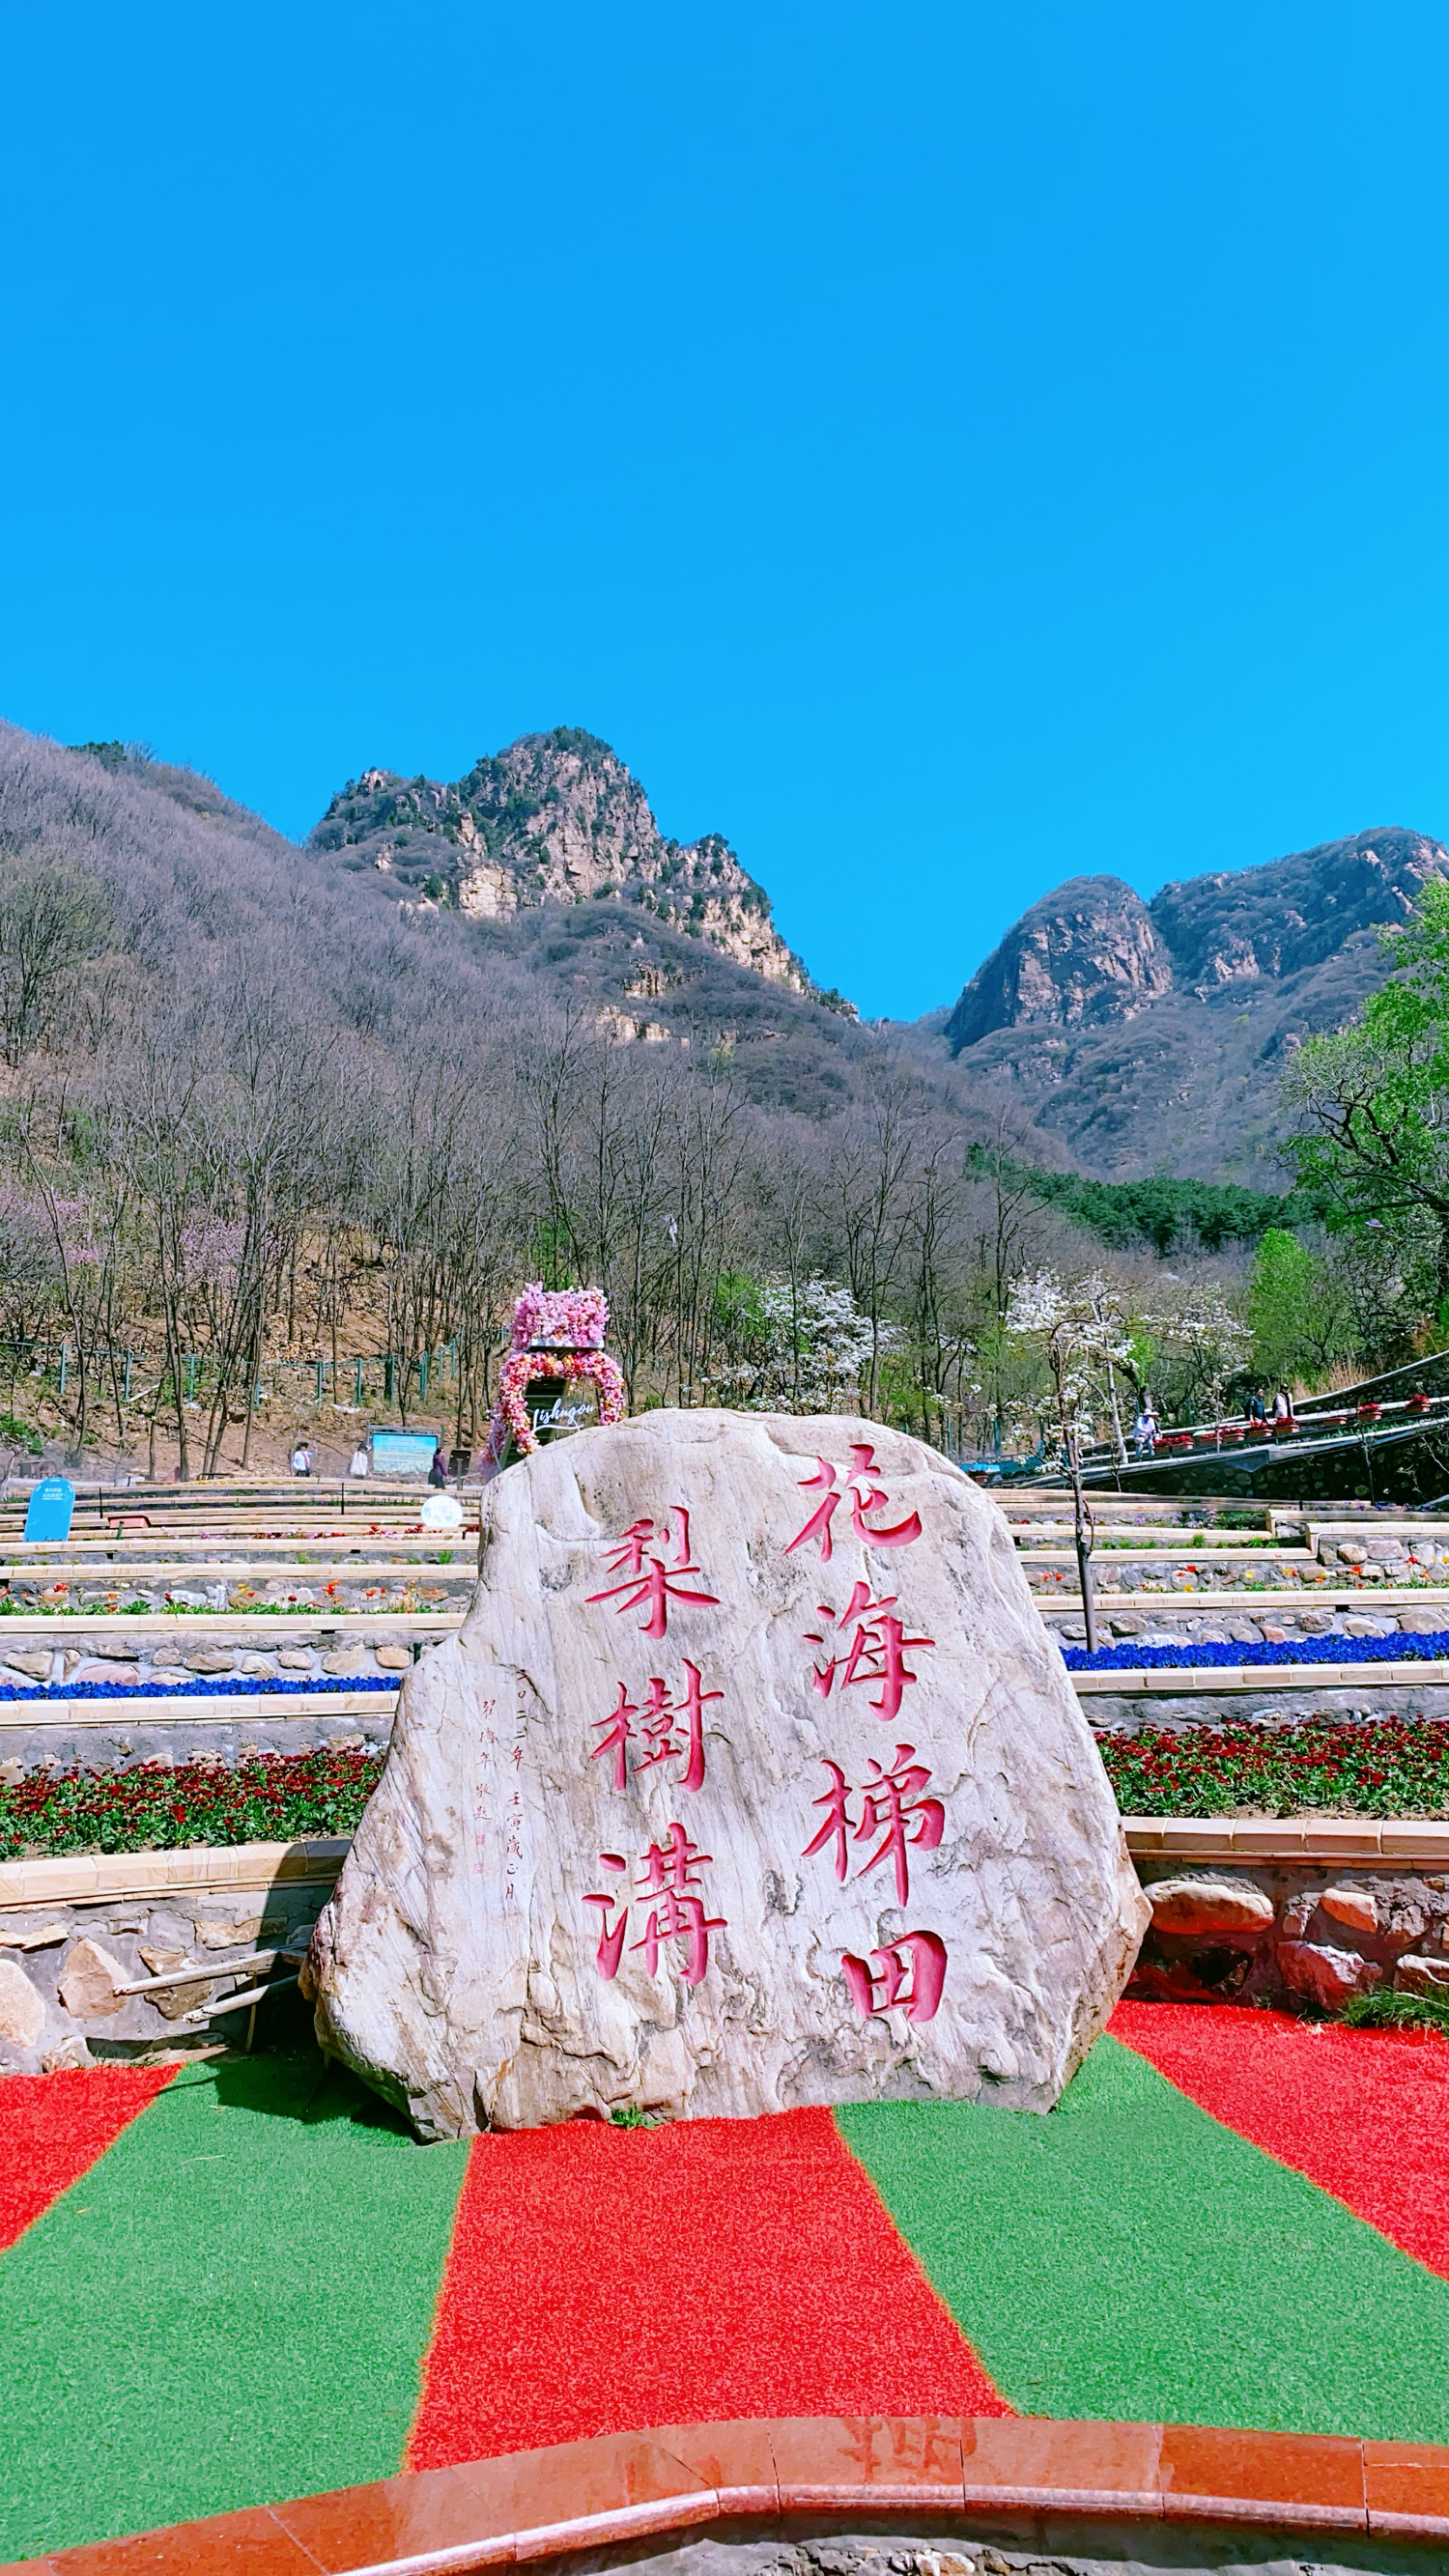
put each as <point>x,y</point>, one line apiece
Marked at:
<point>265,1109</point>
<point>260,1104</point>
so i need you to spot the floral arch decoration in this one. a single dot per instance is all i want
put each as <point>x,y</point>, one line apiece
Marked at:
<point>557,1333</point>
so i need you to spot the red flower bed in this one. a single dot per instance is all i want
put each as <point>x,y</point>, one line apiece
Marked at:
<point>155,1807</point>
<point>1390,1766</point>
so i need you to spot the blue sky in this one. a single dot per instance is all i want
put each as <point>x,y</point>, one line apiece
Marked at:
<point>946,449</point>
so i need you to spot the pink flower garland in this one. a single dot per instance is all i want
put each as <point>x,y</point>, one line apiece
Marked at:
<point>573,1318</point>
<point>522,1366</point>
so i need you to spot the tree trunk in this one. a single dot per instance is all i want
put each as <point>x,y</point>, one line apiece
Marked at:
<point>1084,1536</point>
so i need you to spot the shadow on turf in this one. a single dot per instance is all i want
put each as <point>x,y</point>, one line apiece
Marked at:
<point>284,2075</point>
<point>301,2086</point>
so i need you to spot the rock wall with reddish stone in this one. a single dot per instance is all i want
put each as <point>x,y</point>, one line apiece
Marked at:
<point>1301,1937</point>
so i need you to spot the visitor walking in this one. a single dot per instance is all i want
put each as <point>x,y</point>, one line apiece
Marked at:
<point>301,1459</point>
<point>1284,1418</point>
<point>1145,1429</point>
<point>437,1473</point>
<point>359,1466</point>
<point>1256,1415</point>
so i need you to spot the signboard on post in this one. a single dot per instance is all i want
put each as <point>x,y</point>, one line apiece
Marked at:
<point>402,1453</point>
<point>51,1507</point>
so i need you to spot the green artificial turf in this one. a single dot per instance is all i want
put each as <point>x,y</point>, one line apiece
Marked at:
<point>1127,2256</point>
<point>231,2307</point>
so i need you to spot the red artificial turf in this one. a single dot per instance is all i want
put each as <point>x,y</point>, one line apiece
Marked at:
<point>601,2279</point>
<point>53,2127</point>
<point>1363,2113</point>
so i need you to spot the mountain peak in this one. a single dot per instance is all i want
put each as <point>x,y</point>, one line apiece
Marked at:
<point>1148,1036</point>
<point>555,818</point>
<point>1084,954</point>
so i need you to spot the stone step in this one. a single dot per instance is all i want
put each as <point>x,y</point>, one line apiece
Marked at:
<point>1181,1681</point>
<point>175,1709</point>
<point>221,1627</point>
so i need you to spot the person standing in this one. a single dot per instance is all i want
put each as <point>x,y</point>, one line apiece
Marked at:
<point>1284,1418</point>
<point>359,1466</point>
<point>301,1459</point>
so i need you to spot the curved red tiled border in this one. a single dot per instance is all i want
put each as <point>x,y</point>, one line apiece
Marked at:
<point>1024,2476</point>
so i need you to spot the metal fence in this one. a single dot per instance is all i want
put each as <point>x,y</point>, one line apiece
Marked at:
<point>383,1373</point>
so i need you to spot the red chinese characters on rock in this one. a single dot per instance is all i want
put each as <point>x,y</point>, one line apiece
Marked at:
<point>909,1975</point>
<point>870,1644</point>
<point>651,1581</point>
<point>667,1726</point>
<point>890,1802</point>
<point>668,1884</point>
<point>863,1494</point>
<point>876,1651</point>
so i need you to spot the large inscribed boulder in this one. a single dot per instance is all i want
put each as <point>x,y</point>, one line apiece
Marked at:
<point>752,1779</point>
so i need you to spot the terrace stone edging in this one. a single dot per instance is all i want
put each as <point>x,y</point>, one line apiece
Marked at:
<point>134,1715</point>
<point>1027,2482</point>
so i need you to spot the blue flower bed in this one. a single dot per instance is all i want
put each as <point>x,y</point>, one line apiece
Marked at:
<point>1393,1649</point>
<point>225,1686</point>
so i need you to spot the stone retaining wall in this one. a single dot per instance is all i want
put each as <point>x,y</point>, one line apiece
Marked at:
<point>1174,1575</point>
<point>61,1957</point>
<point>1272,1625</point>
<point>1304,1935</point>
<point>1338,1557</point>
<point>110,1589</point>
<point>99,1735</point>
<point>1299,1913</point>
<point>105,1735</point>
<point>1263,1704</point>
<point>143,1662</point>
<point>96,1735</point>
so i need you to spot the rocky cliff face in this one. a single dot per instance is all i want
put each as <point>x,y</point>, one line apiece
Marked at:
<point>1296,913</point>
<point>1148,1037</point>
<point>1085,954</point>
<point>1093,951</point>
<point>556,818</point>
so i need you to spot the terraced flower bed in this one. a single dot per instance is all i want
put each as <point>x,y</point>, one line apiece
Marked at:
<point>1389,1766</point>
<point>155,1807</point>
<point>1398,1647</point>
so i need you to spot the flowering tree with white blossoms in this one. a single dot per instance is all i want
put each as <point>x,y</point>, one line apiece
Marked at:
<point>1204,1343</point>
<point>801,1347</point>
<point>1080,1329</point>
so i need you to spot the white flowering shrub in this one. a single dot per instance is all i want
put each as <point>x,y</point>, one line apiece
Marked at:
<point>797,1349</point>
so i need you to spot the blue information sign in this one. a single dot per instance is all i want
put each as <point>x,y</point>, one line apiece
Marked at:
<point>51,1506</point>
<point>402,1453</point>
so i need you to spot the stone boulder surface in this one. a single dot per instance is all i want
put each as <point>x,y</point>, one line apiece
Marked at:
<point>751,1780</point>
